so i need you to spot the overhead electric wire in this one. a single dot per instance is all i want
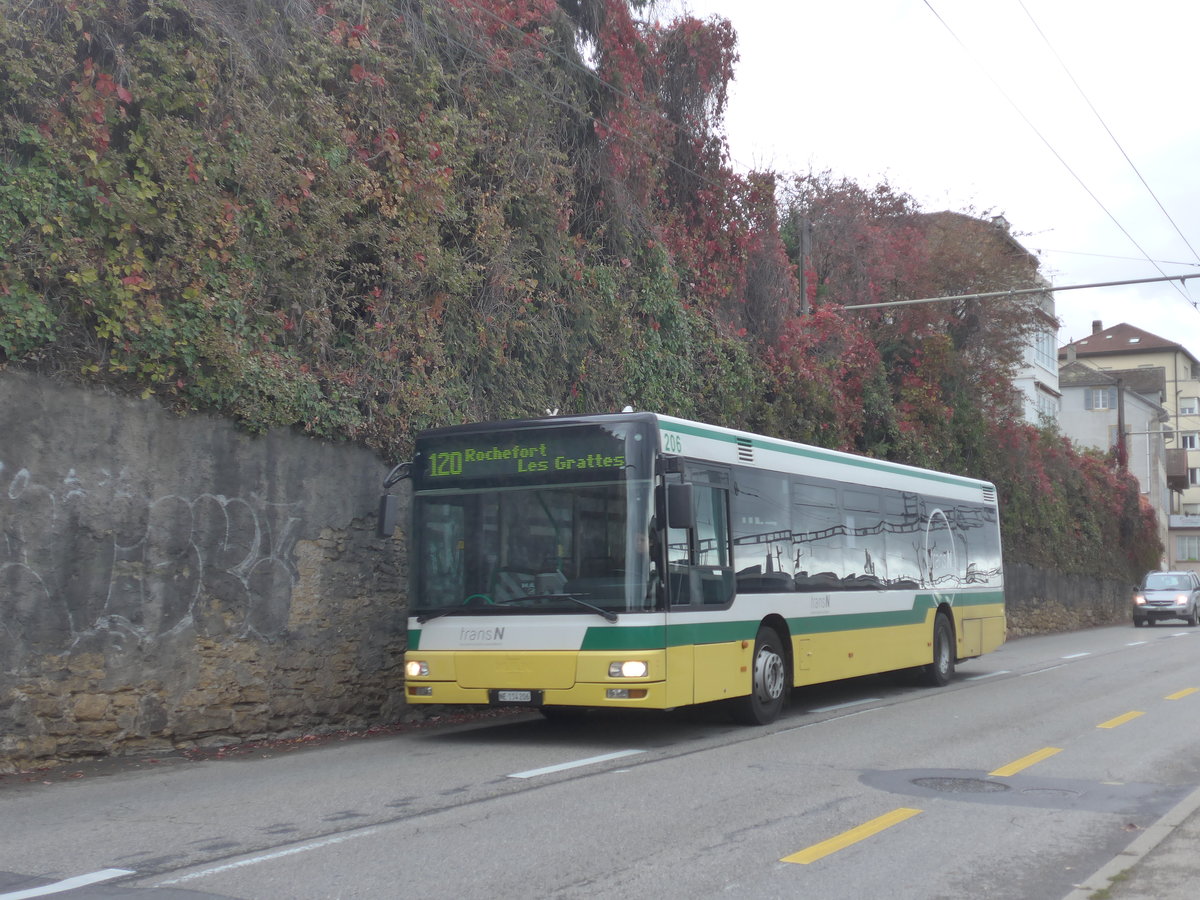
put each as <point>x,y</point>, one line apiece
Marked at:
<point>1165,262</point>
<point>560,101</point>
<point>1057,155</point>
<point>1108,130</point>
<point>1019,292</point>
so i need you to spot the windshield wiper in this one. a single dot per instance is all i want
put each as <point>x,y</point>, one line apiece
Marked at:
<point>608,614</point>
<point>444,611</point>
<point>429,615</point>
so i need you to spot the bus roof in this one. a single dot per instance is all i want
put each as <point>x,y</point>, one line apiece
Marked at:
<point>731,436</point>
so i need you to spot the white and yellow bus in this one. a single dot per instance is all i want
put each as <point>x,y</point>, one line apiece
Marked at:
<point>637,560</point>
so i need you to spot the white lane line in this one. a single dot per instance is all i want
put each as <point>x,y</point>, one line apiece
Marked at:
<point>1040,671</point>
<point>1137,643</point>
<point>533,773</point>
<point>988,675</point>
<point>267,857</point>
<point>68,884</point>
<point>365,832</point>
<point>837,706</point>
<point>1076,655</point>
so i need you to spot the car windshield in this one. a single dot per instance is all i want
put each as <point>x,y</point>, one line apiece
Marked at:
<point>1160,581</point>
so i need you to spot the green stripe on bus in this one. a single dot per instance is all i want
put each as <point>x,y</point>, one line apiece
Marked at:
<point>678,634</point>
<point>817,453</point>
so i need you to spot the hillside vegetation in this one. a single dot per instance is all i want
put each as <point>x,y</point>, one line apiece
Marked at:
<point>365,218</point>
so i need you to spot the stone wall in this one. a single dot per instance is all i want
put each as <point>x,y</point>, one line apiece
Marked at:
<point>168,581</point>
<point>1041,601</point>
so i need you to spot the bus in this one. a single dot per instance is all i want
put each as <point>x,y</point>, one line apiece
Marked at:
<point>640,561</point>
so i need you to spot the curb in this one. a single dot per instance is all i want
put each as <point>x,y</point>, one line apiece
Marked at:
<point>1102,878</point>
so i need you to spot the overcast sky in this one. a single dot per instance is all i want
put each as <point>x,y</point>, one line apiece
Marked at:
<point>986,106</point>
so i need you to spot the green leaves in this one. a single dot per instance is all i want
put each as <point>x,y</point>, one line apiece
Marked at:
<point>366,218</point>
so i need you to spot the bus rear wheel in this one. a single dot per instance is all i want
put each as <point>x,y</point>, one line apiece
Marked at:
<point>768,681</point>
<point>941,670</point>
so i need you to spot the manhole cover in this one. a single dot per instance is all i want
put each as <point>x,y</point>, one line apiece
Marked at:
<point>961,785</point>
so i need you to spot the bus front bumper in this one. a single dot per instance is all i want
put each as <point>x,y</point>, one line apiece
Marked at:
<point>555,678</point>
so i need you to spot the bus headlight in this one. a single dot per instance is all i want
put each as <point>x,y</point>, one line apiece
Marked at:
<point>630,668</point>
<point>416,668</point>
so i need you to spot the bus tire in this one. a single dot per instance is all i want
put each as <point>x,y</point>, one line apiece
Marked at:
<point>768,681</point>
<point>939,672</point>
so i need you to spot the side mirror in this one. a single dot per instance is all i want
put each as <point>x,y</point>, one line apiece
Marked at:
<point>389,507</point>
<point>389,504</point>
<point>680,511</point>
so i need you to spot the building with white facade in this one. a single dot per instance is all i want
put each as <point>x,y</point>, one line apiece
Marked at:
<point>1097,405</point>
<point>1122,348</point>
<point>1037,379</point>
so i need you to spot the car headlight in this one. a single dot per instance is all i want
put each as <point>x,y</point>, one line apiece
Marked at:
<point>1139,599</point>
<point>416,668</point>
<point>629,668</point>
<point>1182,599</point>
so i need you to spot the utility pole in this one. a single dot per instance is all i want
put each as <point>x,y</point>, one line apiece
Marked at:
<point>1122,448</point>
<point>805,234</point>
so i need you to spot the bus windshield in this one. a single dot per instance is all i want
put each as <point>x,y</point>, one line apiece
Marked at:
<point>551,520</point>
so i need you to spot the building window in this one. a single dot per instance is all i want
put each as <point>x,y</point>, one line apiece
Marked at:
<point>1193,477</point>
<point>1100,398</point>
<point>1188,406</point>
<point>1187,547</point>
<point>1044,350</point>
<point>1191,509</point>
<point>1047,406</point>
<point>1189,440</point>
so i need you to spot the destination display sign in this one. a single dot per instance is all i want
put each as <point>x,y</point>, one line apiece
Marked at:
<point>533,455</point>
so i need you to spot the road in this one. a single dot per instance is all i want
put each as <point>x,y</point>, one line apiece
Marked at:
<point>1034,767</point>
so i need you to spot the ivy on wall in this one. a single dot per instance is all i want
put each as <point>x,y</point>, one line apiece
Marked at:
<point>364,218</point>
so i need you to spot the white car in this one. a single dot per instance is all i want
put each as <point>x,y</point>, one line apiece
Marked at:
<point>1167,595</point>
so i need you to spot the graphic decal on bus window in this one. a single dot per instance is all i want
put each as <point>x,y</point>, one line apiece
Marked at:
<point>808,535</point>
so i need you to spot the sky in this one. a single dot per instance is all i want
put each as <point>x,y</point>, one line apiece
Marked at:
<point>1076,120</point>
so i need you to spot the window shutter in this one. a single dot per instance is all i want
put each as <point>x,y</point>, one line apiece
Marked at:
<point>1112,398</point>
<point>1087,398</point>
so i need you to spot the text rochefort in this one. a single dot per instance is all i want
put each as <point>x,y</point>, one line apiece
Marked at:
<point>532,458</point>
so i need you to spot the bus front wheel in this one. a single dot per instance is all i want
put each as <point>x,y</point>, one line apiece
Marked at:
<point>940,671</point>
<point>768,681</point>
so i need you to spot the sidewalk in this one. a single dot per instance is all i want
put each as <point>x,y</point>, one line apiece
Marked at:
<point>1161,864</point>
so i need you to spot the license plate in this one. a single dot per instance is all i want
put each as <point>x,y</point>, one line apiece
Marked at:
<point>514,696</point>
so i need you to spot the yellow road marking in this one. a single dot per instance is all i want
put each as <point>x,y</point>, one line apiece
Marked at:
<point>1179,694</point>
<point>1121,720</point>
<point>853,836</point>
<point>1026,761</point>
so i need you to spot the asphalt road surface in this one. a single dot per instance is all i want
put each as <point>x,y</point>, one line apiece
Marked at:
<point>1033,768</point>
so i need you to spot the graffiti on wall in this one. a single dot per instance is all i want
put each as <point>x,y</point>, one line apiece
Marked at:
<point>99,553</point>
